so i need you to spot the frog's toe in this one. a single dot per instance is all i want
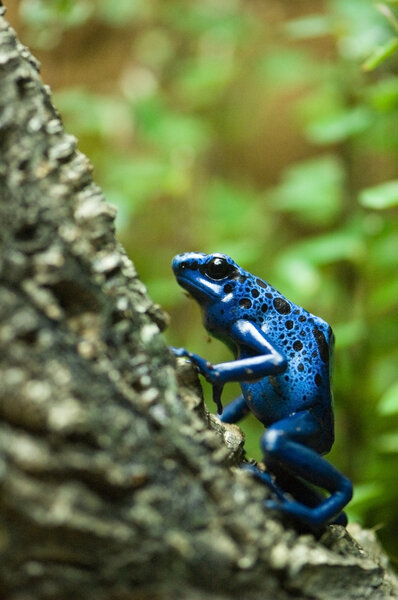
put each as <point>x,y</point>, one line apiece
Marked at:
<point>179,351</point>
<point>273,505</point>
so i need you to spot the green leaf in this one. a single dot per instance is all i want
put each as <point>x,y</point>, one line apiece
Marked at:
<point>118,13</point>
<point>366,494</point>
<point>328,248</point>
<point>311,189</point>
<point>359,26</point>
<point>218,20</point>
<point>94,114</point>
<point>135,178</point>
<point>169,130</point>
<point>384,297</point>
<point>385,250</point>
<point>308,27</point>
<point>388,404</point>
<point>350,333</point>
<point>339,126</point>
<point>66,13</point>
<point>282,67</point>
<point>381,54</point>
<point>320,102</point>
<point>230,209</point>
<point>383,95</point>
<point>380,196</point>
<point>297,276</point>
<point>202,81</point>
<point>388,442</point>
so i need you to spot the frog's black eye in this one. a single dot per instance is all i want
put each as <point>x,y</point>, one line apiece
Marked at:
<point>218,268</point>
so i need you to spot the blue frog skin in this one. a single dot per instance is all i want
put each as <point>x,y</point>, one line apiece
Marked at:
<point>283,358</point>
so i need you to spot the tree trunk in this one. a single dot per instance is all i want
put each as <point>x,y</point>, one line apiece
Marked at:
<point>115,481</point>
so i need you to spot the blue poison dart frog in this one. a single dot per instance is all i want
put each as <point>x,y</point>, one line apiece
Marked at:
<point>283,359</point>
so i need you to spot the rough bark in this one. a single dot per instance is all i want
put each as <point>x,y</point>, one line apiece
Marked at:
<point>115,481</point>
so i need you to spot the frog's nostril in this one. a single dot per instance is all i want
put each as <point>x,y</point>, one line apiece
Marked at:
<point>178,262</point>
<point>187,260</point>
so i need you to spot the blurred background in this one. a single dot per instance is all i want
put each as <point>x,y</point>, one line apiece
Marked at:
<point>267,130</point>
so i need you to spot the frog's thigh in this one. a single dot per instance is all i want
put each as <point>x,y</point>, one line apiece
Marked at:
<point>294,444</point>
<point>301,427</point>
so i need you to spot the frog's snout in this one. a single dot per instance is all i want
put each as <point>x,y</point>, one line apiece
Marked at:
<point>178,261</point>
<point>186,260</point>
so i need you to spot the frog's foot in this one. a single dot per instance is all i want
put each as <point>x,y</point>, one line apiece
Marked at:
<point>180,352</point>
<point>204,367</point>
<point>267,478</point>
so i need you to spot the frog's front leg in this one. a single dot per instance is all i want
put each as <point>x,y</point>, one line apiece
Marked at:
<point>204,367</point>
<point>265,359</point>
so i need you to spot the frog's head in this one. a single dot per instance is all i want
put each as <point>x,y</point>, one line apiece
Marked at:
<point>205,276</point>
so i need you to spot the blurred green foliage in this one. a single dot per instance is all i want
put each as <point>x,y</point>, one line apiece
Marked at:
<point>272,135</point>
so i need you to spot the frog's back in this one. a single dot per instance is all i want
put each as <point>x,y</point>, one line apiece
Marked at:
<point>307,343</point>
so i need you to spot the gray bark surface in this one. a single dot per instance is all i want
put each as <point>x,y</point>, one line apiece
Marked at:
<point>115,482</point>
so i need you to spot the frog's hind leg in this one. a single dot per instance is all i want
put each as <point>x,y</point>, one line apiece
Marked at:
<point>265,477</point>
<point>300,490</point>
<point>282,484</point>
<point>294,444</point>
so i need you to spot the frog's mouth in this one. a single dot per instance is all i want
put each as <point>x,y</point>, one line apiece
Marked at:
<point>195,290</point>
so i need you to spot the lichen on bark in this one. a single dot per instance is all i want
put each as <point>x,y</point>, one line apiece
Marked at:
<point>115,480</point>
